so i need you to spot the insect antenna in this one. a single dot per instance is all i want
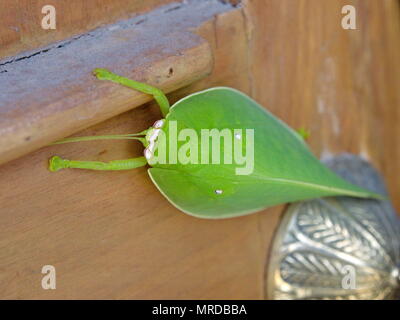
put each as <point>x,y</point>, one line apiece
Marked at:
<point>131,136</point>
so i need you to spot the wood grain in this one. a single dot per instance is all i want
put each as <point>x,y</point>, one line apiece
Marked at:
<point>113,235</point>
<point>20,20</point>
<point>138,246</point>
<point>342,85</point>
<point>53,94</point>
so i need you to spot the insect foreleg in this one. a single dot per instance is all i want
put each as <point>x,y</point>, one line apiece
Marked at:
<point>56,163</point>
<point>159,96</point>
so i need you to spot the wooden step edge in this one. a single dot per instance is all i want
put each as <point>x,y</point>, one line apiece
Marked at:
<point>51,93</point>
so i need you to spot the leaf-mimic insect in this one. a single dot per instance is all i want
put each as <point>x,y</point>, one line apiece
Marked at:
<point>281,168</point>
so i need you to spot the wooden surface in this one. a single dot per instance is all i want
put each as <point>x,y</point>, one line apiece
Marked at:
<point>54,94</point>
<point>112,235</point>
<point>20,20</point>
<point>343,85</point>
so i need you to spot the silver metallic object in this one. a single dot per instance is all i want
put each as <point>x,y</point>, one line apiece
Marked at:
<point>338,247</point>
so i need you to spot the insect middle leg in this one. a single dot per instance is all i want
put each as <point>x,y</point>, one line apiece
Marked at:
<point>159,96</point>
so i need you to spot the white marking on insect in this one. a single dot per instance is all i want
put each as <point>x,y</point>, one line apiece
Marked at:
<point>238,136</point>
<point>147,153</point>
<point>151,147</point>
<point>158,124</point>
<point>218,191</point>
<point>154,135</point>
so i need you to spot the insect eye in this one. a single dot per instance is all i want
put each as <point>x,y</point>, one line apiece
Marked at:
<point>154,135</point>
<point>218,191</point>
<point>158,124</point>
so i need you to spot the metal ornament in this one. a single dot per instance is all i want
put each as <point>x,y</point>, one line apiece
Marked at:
<point>338,247</point>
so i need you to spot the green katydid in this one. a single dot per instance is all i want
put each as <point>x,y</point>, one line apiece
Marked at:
<point>283,169</point>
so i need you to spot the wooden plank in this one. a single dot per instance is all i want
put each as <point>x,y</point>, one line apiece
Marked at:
<point>20,20</point>
<point>113,235</point>
<point>50,94</point>
<point>340,84</point>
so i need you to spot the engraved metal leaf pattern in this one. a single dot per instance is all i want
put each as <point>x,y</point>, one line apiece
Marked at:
<point>320,221</point>
<point>375,222</point>
<point>320,271</point>
<point>319,240</point>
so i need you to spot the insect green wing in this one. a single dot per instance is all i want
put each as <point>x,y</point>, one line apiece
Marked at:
<point>284,169</point>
